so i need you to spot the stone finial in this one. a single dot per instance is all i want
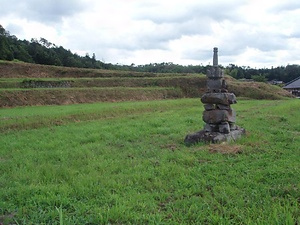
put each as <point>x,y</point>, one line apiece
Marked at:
<point>215,72</point>
<point>215,58</point>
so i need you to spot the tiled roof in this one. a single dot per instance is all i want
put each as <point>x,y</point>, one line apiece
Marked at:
<point>293,84</point>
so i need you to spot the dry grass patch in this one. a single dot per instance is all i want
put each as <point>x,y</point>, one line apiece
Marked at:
<point>225,148</point>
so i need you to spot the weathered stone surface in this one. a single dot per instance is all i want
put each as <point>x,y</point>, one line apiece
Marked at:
<point>207,128</point>
<point>209,107</point>
<point>216,85</point>
<point>232,126</point>
<point>215,57</point>
<point>218,98</point>
<point>218,116</point>
<point>211,127</point>
<point>224,128</point>
<point>215,73</point>
<point>223,107</point>
<point>213,137</point>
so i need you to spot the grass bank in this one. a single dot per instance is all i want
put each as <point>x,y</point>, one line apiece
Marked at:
<point>64,96</point>
<point>31,84</point>
<point>125,163</point>
<point>10,69</point>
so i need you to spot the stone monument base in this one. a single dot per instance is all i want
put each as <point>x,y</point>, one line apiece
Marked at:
<point>214,137</point>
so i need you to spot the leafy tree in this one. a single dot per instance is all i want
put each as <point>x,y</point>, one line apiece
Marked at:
<point>259,78</point>
<point>234,73</point>
<point>6,52</point>
<point>292,72</point>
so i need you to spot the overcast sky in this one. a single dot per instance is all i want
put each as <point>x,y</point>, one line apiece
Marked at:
<point>256,33</point>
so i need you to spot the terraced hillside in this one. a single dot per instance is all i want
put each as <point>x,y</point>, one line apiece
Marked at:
<point>30,84</point>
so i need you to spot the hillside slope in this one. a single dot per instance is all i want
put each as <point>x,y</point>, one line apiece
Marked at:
<point>30,84</point>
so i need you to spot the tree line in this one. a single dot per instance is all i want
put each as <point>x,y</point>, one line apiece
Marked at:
<point>44,52</point>
<point>279,73</point>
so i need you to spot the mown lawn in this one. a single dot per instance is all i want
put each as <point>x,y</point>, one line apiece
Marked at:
<point>125,163</point>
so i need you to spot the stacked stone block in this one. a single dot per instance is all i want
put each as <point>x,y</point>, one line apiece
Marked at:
<point>218,114</point>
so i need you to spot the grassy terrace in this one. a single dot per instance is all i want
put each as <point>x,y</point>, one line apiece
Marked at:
<point>125,163</point>
<point>58,96</point>
<point>53,91</point>
<point>31,84</point>
<point>24,70</point>
<point>167,81</point>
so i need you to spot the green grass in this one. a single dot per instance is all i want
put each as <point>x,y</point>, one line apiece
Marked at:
<point>125,163</point>
<point>22,118</point>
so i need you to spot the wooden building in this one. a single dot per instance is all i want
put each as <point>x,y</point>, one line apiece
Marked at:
<point>293,87</point>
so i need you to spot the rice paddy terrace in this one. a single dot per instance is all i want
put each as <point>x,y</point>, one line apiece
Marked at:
<point>31,84</point>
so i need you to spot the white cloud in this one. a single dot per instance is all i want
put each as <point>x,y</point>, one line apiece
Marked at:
<point>255,33</point>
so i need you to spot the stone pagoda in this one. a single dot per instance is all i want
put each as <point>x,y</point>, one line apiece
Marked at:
<point>218,115</point>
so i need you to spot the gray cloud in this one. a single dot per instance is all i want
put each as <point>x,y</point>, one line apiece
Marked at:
<point>164,33</point>
<point>268,43</point>
<point>46,11</point>
<point>191,19</point>
<point>295,34</point>
<point>263,41</point>
<point>201,11</point>
<point>198,54</point>
<point>218,11</point>
<point>158,36</point>
<point>238,42</point>
<point>225,51</point>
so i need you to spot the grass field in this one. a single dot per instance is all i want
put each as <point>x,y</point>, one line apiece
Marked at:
<point>125,163</point>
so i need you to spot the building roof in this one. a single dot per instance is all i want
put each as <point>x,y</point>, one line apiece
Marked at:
<point>293,84</point>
